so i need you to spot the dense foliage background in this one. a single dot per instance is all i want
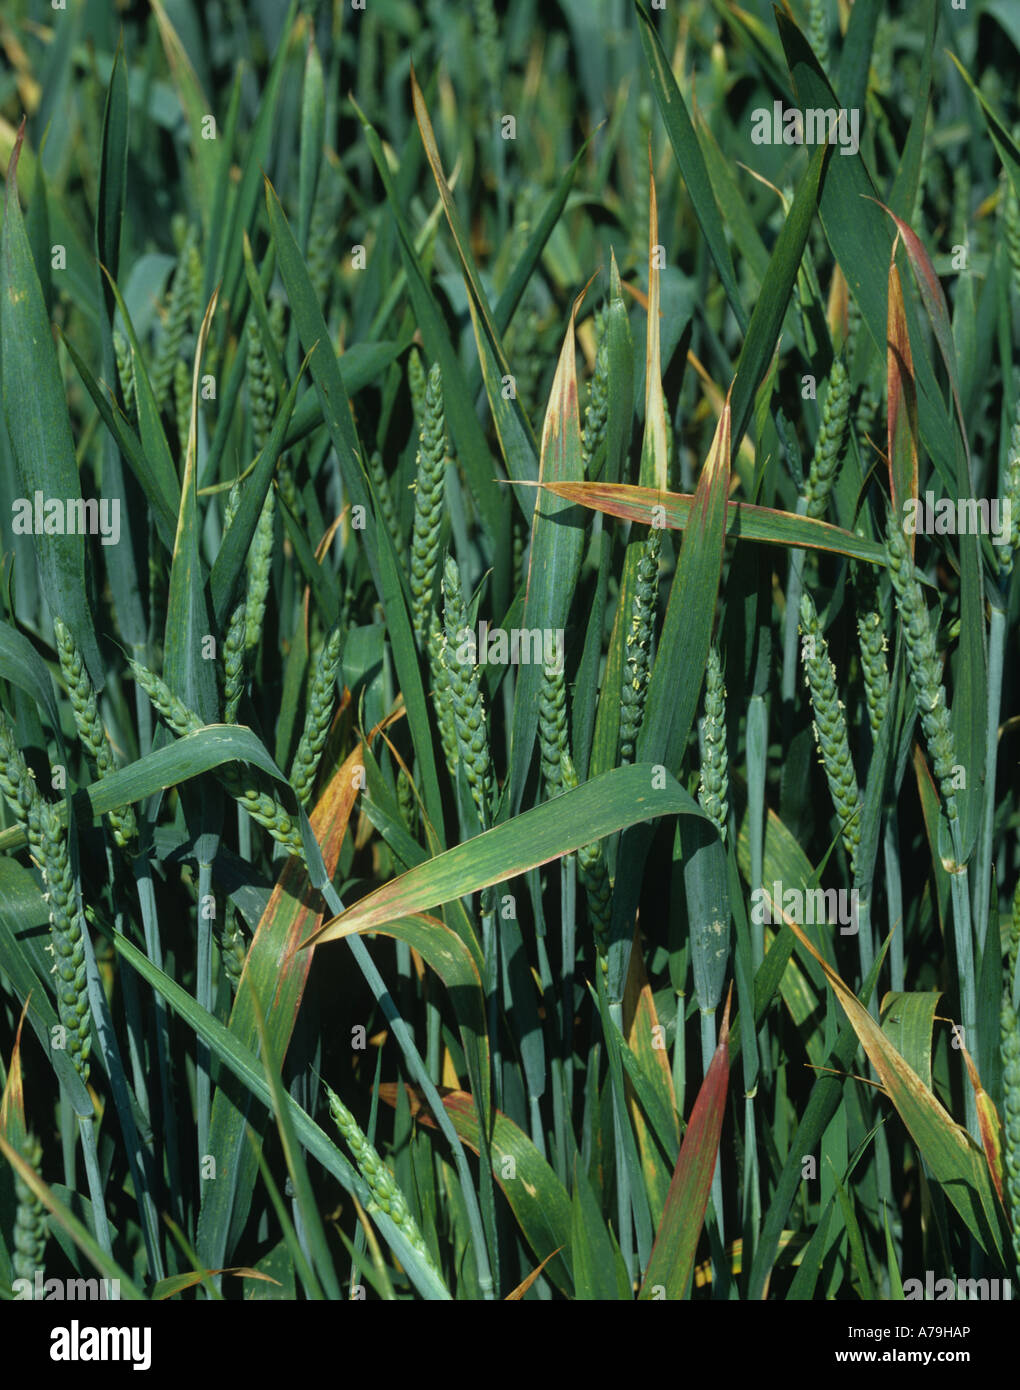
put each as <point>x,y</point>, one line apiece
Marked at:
<point>332,289</point>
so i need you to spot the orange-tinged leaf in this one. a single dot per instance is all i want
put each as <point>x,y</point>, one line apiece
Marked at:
<point>937,310</point>
<point>561,453</point>
<point>989,1124</point>
<point>278,970</point>
<point>654,471</point>
<point>642,1032</point>
<point>929,798</point>
<point>294,904</point>
<point>676,1241</point>
<point>952,1156</point>
<point>991,1138</point>
<point>745,519</point>
<point>836,309</point>
<point>177,1283</point>
<point>902,411</point>
<point>12,1106</point>
<point>523,1287</point>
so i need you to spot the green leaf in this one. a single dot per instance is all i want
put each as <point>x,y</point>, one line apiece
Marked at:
<point>776,292</point>
<point>389,578</point>
<point>708,908</point>
<point>862,245</point>
<point>1004,143</point>
<point>113,173</point>
<point>578,817</point>
<point>855,55</point>
<point>684,139</point>
<point>907,1021</point>
<point>253,171</point>
<point>514,429</point>
<point>23,666</point>
<point>908,176</point>
<point>676,678</point>
<point>161,490</point>
<point>155,448</point>
<point>186,757</point>
<point>599,1273</point>
<point>188,672</point>
<point>466,432</point>
<point>196,107</point>
<point>313,131</point>
<point>557,542</point>
<point>293,1155</point>
<point>229,564</point>
<point>970,693</point>
<point>39,428</point>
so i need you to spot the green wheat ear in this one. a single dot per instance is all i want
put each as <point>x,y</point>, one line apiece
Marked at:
<point>260,569</point>
<point>442,699</point>
<point>317,717</point>
<point>466,697</point>
<point>597,410</point>
<point>47,840</point>
<point>125,369</point>
<point>1007,553</point>
<point>1010,1049</point>
<point>232,946</point>
<point>1011,222</point>
<point>180,311</point>
<point>382,491</point>
<point>829,443</point>
<point>416,384</point>
<point>244,784</point>
<point>593,872</point>
<point>233,663</point>
<point>381,1183</point>
<point>90,726</point>
<point>182,402</point>
<point>714,786</point>
<point>818,31</point>
<point>830,728</point>
<point>322,234</point>
<point>634,685</point>
<point>407,802</point>
<point>428,504</point>
<point>552,727</point>
<point>923,664</point>
<point>30,1225</point>
<point>261,391</point>
<point>1013,949</point>
<point>874,669</point>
